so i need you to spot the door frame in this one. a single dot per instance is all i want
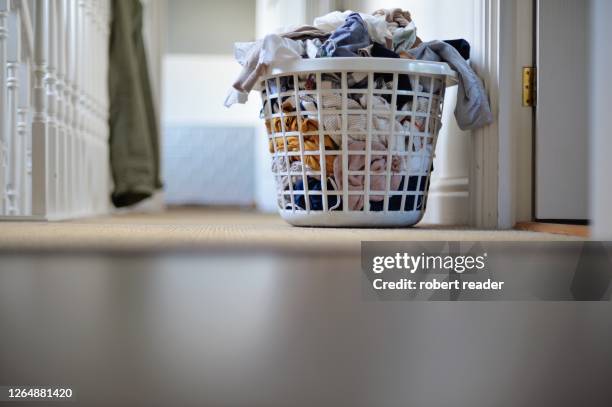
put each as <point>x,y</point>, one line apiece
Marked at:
<point>501,190</point>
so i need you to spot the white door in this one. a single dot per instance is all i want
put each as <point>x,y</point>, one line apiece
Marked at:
<point>562,113</point>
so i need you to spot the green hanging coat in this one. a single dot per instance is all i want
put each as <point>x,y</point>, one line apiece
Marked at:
<point>134,136</point>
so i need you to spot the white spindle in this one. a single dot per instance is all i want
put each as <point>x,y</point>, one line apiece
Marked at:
<point>69,100</point>
<point>86,100</point>
<point>24,111</point>
<point>40,184</point>
<point>3,107</point>
<point>23,134</point>
<point>82,102</point>
<point>50,85</point>
<point>12,141</point>
<point>74,99</point>
<point>64,61</point>
<point>60,111</point>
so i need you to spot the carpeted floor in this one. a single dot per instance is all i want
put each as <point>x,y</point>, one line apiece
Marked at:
<point>220,230</point>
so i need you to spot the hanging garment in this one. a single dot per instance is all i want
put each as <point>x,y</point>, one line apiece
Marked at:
<point>472,110</point>
<point>347,39</point>
<point>134,136</point>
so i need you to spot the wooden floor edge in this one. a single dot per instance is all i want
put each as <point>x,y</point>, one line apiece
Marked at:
<point>555,228</point>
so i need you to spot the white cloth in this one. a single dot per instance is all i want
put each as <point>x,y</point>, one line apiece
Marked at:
<point>256,58</point>
<point>312,47</point>
<point>278,49</point>
<point>308,103</point>
<point>421,107</point>
<point>378,103</point>
<point>377,25</point>
<point>420,163</point>
<point>404,38</point>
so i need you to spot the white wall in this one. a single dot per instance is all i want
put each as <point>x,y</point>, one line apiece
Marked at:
<point>439,19</point>
<point>191,97</point>
<point>208,149</point>
<point>209,26</point>
<point>601,106</point>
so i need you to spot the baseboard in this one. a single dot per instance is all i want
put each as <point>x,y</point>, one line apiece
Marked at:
<point>448,202</point>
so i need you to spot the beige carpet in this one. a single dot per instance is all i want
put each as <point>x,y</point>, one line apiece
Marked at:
<point>220,229</point>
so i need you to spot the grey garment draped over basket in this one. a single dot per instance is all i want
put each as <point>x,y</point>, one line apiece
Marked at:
<point>134,136</point>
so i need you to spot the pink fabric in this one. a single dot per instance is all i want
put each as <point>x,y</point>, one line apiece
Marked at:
<point>378,164</point>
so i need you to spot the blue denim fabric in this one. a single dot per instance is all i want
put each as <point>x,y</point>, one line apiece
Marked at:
<point>316,201</point>
<point>347,39</point>
<point>462,46</point>
<point>395,201</point>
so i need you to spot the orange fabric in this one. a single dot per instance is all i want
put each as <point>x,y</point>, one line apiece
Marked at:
<point>274,125</point>
<point>311,143</point>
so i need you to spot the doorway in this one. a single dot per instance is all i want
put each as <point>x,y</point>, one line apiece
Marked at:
<point>561,147</point>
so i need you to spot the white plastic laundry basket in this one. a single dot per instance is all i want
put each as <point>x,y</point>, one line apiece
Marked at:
<point>352,139</point>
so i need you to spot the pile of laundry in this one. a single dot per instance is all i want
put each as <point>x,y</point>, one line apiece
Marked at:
<point>386,33</point>
<point>285,150</point>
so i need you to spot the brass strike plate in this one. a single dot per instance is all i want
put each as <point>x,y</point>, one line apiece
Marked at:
<point>529,95</point>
